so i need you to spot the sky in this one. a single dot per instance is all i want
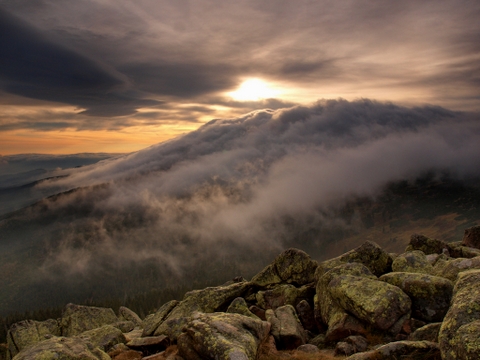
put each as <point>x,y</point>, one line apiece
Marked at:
<point>118,76</point>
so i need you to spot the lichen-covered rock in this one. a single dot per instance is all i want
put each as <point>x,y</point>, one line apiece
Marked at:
<point>129,315</point>
<point>471,237</point>
<point>428,332</point>
<point>280,295</point>
<point>340,323</point>
<point>430,295</point>
<point>222,336</point>
<point>150,344</point>
<point>376,302</point>
<point>104,337</point>
<point>414,261</point>
<point>351,345</point>
<point>124,326</point>
<point>411,350</point>
<point>239,306</point>
<point>425,244</point>
<point>292,266</point>
<point>28,332</point>
<point>468,338</point>
<point>465,309</point>
<point>153,321</point>
<point>207,300</point>
<point>62,348</point>
<point>450,269</point>
<point>286,327</point>
<point>377,260</point>
<point>77,319</point>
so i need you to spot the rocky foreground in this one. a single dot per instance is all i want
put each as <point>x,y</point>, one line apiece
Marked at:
<point>364,304</point>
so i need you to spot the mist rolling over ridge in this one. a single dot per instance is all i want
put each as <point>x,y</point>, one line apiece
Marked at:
<point>222,200</point>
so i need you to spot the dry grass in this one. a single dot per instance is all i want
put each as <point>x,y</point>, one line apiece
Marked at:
<point>300,355</point>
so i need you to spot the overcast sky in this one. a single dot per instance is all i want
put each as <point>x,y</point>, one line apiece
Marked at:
<point>119,75</point>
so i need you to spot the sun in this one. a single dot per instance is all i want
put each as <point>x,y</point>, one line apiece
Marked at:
<point>253,90</point>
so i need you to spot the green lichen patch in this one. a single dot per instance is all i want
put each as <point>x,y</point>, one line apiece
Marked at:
<point>207,300</point>
<point>240,306</point>
<point>77,319</point>
<point>62,348</point>
<point>464,309</point>
<point>430,295</point>
<point>377,260</point>
<point>376,302</point>
<point>414,261</point>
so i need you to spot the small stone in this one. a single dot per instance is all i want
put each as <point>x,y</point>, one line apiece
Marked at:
<point>471,237</point>
<point>308,348</point>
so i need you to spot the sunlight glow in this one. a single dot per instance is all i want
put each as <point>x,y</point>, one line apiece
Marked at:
<point>253,90</point>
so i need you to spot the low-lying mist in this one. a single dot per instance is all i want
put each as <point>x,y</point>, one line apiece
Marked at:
<point>224,199</point>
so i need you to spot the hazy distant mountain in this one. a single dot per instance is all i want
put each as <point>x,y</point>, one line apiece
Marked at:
<point>223,200</point>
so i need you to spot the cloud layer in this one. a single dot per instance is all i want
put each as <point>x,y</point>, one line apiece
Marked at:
<point>112,58</point>
<point>232,183</point>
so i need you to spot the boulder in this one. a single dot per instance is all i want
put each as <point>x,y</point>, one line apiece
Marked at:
<point>28,332</point>
<point>77,319</point>
<point>428,332</point>
<point>292,266</point>
<point>414,262</point>
<point>464,309</point>
<point>377,260</point>
<point>306,315</point>
<point>375,302</point>
<point>430,295</point>
<point>309,349</point>
<point>280,295</point>
<point>286,328</point>
<point>425,244</point>
<point>351,345</point>
<point>451,268</point>
<point>239,306</point>
<point>153,321</point>
<point>469,340</point>
<point>340,323</point>
<point>149,344</point>
<point>471,237</point>
<point>207,300</point>
<point>222,336</point>
<point>124,326</point>
<point>104,337</point>
<point>129,315</point>
<point>412,350</point>
<point>62,348</point>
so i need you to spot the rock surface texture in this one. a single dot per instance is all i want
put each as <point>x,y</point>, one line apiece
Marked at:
<point>366,304</point>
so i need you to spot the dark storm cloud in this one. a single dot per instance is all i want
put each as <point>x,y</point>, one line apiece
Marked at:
<point>35,67</point>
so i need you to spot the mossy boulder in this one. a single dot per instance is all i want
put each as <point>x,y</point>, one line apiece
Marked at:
<point>77,319</point>
<point>451,268</point>
<point>240,306</point>
<point>468,338</point>
<point>464,309</point>
<point>428,332</point>
<point>129,315</point>
<point>339,323</point>
<point>207,300</point>
<point>286,328</point>
<point>104,337</point>
<point>292,266</point>
<point>280,295</point>
<point>430,295</point>
<point>425,244</point>
<point>62,348</point>
<point>377,260</point>
<point>411,350</point>
<point>471,237</point>
<point>375,302</point>
<point>152,322</point>
<point>222,336</point>
<point>25,333</point>
<point>413,261</point>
